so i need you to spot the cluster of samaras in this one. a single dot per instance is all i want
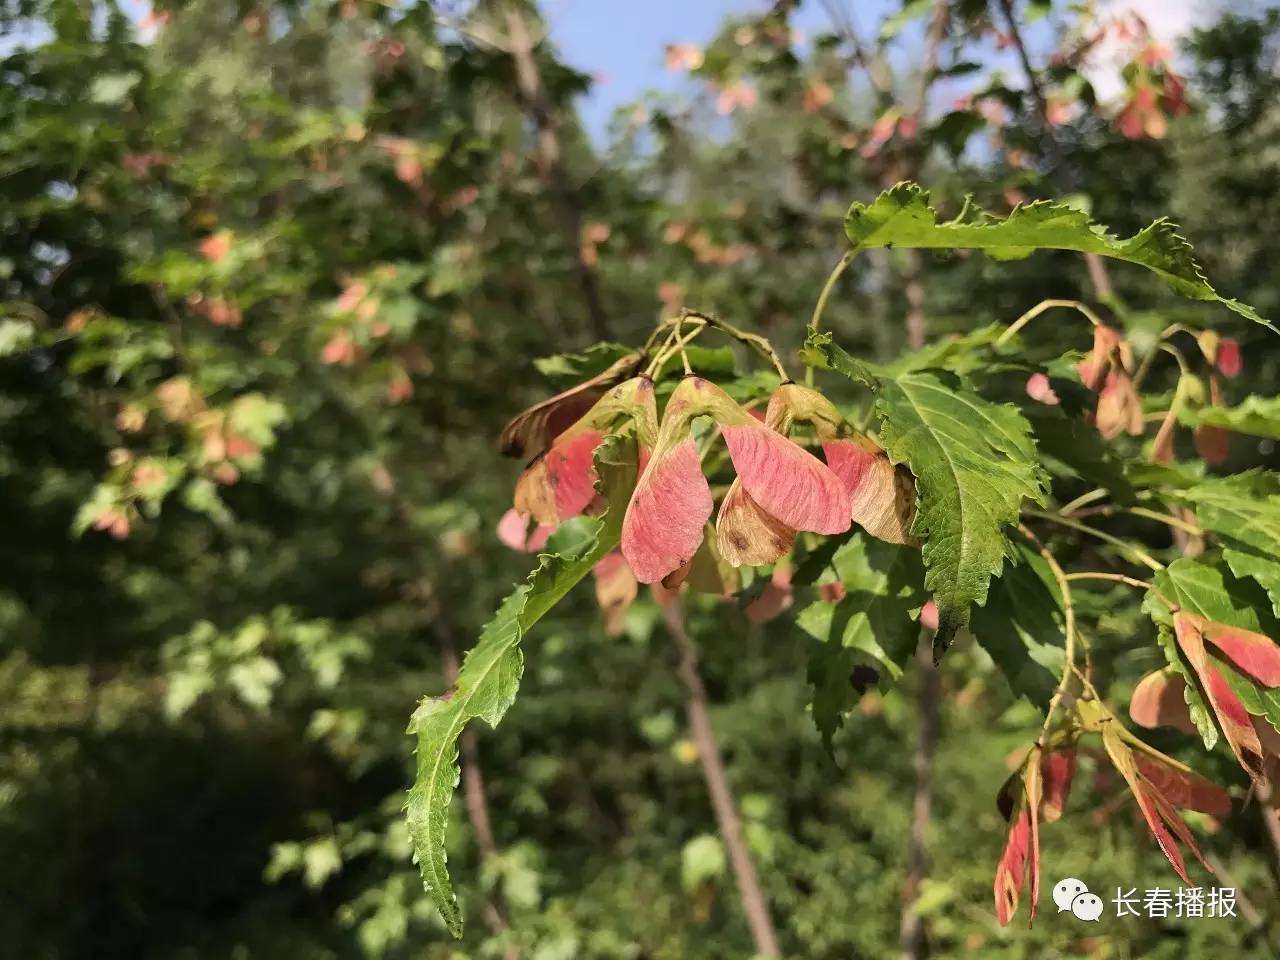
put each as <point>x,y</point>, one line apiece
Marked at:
<point>780,487</point>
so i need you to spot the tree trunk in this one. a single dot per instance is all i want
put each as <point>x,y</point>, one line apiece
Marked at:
<point>529,81</point>
<point>1099,277</point>
<point>912,936</point>
<point>912,939</point>
<point>726,811</point>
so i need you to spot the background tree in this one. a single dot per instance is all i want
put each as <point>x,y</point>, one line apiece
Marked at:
<point>273,281</point>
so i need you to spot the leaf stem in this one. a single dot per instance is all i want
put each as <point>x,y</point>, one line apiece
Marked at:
<point>816,319</point>
<point>1143,557</point>
<point>1115,577</point>
<point>675,344</point>
<point>829,286</point>
<point>755,341</point>
<point>1082,500</point>
<point>1068,627</point>
<point>1110,511</point>
<point>1042,307</point>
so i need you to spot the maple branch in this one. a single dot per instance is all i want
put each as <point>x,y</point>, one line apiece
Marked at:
<point>1040,308</point>
<point>529,82</point>
<point>1099,276</point>
<point>933,47</point>
<point>1114,577</point>
<point>722,802</point>
<point>1270,820</point>
<point>876,69</point>
<point>1140,555</point>
<point>912,943</point>
<point>911,930</point>
<point>755,341</point>
<point>1068,630</point>
<point>1176,522</point>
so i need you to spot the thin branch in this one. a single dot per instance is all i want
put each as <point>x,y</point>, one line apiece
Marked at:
<point>1175,522</point>
<point>1099,277</point>
<point>753,340</point>
<point>1114,577</point>
<point>933,48</point>
<point>1082,500</point>
<point>529,82</point>
<point>722,802</point>
<point>1270,821</point>
<point>1140,555</point>
<point>912,940</point>
<point>1040,308</point>
<point>876,68</point>
<point>1068,629</point>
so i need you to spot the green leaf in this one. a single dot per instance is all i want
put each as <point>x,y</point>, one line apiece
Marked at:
<point>1022,626</point>
<point>490,676</point>
<point>1077,446</point>
<point>1260,701</point>
<point>1201,717</point>
<point>902,217</point>
<point>883,585</point>
<point>974,461</point>
<point>1210,590</point>
<point>892,25</point>
<point>569,369</point>
<point>820,350</point>
<point>1255,415</point>
<point>1243,513</point>
<point>702,859</point>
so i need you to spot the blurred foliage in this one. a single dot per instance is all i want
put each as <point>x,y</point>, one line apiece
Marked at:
<point>272,279</point>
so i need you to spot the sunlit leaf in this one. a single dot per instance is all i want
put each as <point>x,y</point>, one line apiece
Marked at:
<point>902,217</point>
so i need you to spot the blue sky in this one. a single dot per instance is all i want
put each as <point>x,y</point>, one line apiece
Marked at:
<point>622,41</point>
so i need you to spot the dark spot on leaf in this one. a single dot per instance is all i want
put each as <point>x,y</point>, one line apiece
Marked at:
<point>862,678</point>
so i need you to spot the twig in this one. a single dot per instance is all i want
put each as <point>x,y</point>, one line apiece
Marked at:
<point>1068,628</point>
<point>1080,501</point>
<point>529,82</point>
<point>1115,577</point>
<point>753,340</point>
<point>1040,308</point>
<point>1099,277</point>
<point>874,65</point>
<point>722,802</point>
<point>911,928</point>
<point>1176,522</point>
<point>1142,556</point>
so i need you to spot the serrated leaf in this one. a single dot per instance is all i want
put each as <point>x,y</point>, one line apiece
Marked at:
<point>490,676</point>
<point>1243,514</point>
<point>1210,590</point>
<point>902,217</point>
<point>1255,415</point>
<point>567,369</point>
<point>1260,701</point>
<point>974,462</point>
<point>883,584</point>
<point>1201,718</point>
<point>1021,625</point>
